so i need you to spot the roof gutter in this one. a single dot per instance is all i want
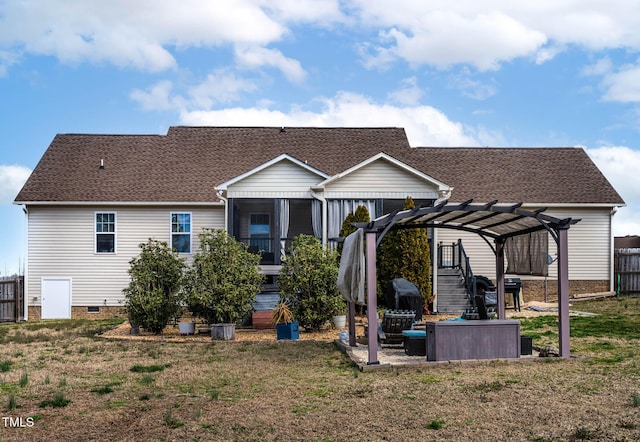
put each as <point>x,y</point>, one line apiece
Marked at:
<point>119,203</point>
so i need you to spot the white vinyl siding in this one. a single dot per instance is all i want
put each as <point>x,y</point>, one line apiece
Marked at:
<point>380,179</point>
<point>283,179</point>
<point>61,243</point>
<point>589,246</point>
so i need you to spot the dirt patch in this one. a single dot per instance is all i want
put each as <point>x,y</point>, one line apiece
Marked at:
<point>172,334</point>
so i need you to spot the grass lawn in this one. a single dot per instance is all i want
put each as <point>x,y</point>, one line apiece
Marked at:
<point>59,382</point>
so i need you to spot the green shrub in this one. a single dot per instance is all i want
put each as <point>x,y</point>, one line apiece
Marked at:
<point>635,399</point>
<point>152,298</point>
<point>308,280</point>
<point>361,215</point>
<point>147,368</point>
<point>58,401</point>
<point>223,281</point>
<point>405,254</point>
<point>5,366</point>
<point>12,405</point>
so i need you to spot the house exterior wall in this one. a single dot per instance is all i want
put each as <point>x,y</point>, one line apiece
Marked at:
<point>61,243</point>
<point>590,262</point>
<point>282,179</point>
<point>380,179</point>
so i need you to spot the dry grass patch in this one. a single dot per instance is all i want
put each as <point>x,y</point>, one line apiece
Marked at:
<point>308,390</point>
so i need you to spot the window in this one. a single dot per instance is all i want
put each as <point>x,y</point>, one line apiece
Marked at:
<point>106,232</point>
<point>260,231</point>
<point>181,232</point>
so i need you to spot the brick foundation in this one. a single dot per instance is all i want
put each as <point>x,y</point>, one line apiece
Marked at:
<point>533,290</point>
<point>82,313</point>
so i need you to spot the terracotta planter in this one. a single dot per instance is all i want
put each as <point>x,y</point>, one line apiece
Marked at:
<point>262,320</point>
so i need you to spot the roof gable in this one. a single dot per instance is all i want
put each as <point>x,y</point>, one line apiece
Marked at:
<point>386,158</point>
<point>312,173</point>
<point>382,176</point>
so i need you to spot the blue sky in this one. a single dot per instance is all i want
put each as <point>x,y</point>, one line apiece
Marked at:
<point>464,73</point>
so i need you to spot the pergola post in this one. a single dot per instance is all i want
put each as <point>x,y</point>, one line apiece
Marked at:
<point>352,323</point>
<point>563,292</point>
<point>372,298</point>
<point>500,277</point>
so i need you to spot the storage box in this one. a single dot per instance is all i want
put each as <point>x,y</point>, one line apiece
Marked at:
<point>481,339</point>
<point>288,330</point>
<point>526,345</point>
<point>415,342</point>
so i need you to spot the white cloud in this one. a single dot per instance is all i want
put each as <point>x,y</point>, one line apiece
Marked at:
<point>600,67</point>
<point>137,34</point>
<point>145,34</point>
<point>157,97</point>
<point>256,57</point>
<point>409,93</point>
<point>307,11</point>
<point>12,178</point>
<point>488,33</point>
<point>219,87</point>
<point>425,125</point>
<point>623,85</point>
<point>619,164</point>
<point>7,59</point>
<point>445,38</point>
<point>468,87</point>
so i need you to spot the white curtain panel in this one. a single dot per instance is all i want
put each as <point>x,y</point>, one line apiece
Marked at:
<point>284,226</point>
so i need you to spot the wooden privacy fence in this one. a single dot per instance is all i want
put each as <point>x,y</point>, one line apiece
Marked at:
<point>11,299</point>
<point>627,272</point>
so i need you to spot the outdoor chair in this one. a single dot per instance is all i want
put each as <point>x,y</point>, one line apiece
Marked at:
<point>393,323</point>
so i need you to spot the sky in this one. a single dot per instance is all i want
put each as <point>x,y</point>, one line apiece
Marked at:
<point>466,73</point>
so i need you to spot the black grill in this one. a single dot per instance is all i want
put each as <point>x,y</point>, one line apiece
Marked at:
<point>513,286</point>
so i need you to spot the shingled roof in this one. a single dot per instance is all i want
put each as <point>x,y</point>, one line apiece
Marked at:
<point>185,165</point>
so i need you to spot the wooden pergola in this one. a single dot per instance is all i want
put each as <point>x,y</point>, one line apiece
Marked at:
<point>493,222</point>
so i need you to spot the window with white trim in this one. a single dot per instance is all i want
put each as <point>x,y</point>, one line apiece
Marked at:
<point>260,231</point>
<point>181,232</point>
<point>105,232</point>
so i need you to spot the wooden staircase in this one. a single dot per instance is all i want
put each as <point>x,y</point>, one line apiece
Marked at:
<point>452,293</point>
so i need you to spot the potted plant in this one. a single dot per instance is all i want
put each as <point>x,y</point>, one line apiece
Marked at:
<point>339,321</point>
<point>222,283</point>
<point>286,327</point>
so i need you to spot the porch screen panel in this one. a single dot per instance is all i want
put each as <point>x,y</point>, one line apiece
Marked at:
<point>338,211</point>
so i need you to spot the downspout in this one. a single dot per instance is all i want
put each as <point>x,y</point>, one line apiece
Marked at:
<point>323,200</point>
<point>25,282</point>
<point>612,265</point>
<point>226,210</point>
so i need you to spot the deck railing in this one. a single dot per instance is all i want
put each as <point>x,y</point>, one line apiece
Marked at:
<point>453,256</point>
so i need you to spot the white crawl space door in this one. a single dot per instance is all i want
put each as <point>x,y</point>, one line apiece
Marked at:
<point>56,298</point>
